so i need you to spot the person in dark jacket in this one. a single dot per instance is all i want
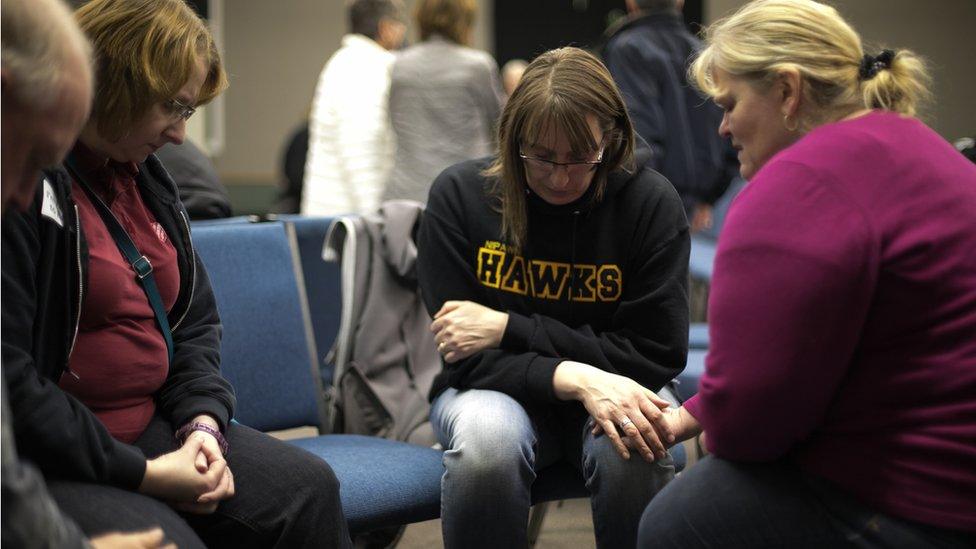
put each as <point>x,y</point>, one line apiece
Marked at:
<point>202,193</point>
<point>648,54</point>
<point>124,412</point>
<point>47,89</point>
<point>555,272</point>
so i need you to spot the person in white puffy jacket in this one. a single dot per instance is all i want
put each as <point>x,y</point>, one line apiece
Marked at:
<point>351,143</point>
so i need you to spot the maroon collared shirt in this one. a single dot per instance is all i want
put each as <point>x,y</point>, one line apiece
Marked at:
<point>119,357</point>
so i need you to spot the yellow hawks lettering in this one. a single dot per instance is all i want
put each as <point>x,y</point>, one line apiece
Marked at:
<point>503,270</point>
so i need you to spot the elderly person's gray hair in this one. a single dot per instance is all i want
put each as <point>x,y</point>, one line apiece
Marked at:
<point>37,36</point>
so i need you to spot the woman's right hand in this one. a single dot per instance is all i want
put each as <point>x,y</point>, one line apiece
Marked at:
<point>618,405</point>
<point>175,477</point>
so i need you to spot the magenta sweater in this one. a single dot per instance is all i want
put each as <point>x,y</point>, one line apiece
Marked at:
<point>843,319</point>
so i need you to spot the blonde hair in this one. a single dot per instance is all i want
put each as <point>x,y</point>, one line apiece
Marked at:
<point>145,52</point>
<point>765,37</point>
<point>557,91</point>
<point>37,36</point>
<point>452,19</point>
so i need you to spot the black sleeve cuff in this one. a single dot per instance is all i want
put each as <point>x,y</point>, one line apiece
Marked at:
<point>130,467</point>
<point>191,407</point>
<point>518,333</point>
<point>538,378</point>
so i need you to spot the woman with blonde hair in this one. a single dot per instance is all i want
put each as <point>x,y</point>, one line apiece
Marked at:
<point>556,272</point>
<point>111,338</point>
<point>445,97</point>
<point>839,397</point>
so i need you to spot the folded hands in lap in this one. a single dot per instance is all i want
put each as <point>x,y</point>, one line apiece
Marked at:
<point>193,479</point>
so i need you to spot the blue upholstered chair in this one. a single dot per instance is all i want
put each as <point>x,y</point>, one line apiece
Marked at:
<point>267,354</point>
<point>692,374</point>
<point>698,336</point>
<point>321,284</point>
<point>236,220</point>
<point>702,259</point>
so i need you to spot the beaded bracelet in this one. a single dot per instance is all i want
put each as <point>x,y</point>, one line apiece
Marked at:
<point>185,431</point>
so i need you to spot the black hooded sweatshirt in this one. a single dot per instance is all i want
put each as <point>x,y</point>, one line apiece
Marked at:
<point>603,283</point>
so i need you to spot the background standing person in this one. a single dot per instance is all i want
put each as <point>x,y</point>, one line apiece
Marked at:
<point>351,143</point>
<point>839,396</point>
<point>556,275</point>
<point>98,381</point>
<point>648,56</point>
<point>201,192</point>
<point>512,73</point>
<point>445,98</point>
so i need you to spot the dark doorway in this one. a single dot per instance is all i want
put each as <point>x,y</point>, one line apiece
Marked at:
<point>526,28</point>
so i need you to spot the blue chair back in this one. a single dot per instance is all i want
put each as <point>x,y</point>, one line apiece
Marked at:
<point>689,377</point>
<point>321,284</point>
<point>236,220</point>
<point>266,350</point>
<point>698,335</point>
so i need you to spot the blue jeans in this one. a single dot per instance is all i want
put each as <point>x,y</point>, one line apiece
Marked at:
<point>719,503</point>
<point>494,447</point>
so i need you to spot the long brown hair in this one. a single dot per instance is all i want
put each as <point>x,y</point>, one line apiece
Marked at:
<point>557,91</point>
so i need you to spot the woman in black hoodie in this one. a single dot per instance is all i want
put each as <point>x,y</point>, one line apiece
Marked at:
<point>555,272</point>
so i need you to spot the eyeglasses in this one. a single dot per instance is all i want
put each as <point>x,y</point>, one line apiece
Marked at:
<point>179,111</point>
<point>546,167</point>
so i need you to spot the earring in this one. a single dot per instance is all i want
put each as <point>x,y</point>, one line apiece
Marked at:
<point>786,123</point>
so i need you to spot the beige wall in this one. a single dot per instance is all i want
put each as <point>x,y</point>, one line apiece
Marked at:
<point>274,52</point>
<point>938,30</point>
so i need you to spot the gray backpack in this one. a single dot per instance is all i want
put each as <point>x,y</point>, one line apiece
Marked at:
<point>384,356</point>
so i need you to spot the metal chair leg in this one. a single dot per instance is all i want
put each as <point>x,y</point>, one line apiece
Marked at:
<point>536,517</point>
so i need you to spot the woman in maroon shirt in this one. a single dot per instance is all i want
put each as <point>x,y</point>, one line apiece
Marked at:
<point>95,385</point>
<point>839,397</point>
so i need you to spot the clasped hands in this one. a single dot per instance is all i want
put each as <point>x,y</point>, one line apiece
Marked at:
<point>195,478</point>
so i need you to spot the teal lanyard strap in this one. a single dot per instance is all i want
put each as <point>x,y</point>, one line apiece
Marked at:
<point>140,263</point>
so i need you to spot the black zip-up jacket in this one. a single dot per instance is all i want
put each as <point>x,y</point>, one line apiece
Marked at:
<point>44,267</point>
<point>600,283</point>
<point>648,55</point>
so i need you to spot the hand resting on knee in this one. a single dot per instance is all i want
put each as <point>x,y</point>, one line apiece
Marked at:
<point>623,409</point>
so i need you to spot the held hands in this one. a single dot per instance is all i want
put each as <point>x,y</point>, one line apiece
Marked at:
<point>682,424</point>
<point>463,328</point>
<point>628,413</point>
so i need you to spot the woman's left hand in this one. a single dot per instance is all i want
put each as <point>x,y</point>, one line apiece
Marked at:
<point>463,328</point>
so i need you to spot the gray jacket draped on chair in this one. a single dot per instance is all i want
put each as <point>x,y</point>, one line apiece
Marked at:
<point>385,355</point>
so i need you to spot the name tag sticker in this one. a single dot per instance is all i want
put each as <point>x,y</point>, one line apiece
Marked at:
<point>50,208</point>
